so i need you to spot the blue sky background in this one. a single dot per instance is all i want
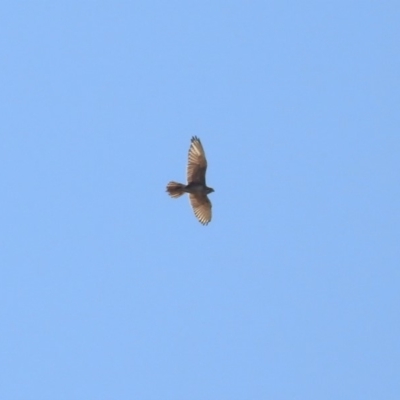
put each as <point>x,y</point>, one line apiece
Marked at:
<point>109,289</point>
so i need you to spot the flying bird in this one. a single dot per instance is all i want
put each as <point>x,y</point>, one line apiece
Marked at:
<point>196,183</point>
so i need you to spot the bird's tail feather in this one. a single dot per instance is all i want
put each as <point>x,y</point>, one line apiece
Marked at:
<point>175,189</point>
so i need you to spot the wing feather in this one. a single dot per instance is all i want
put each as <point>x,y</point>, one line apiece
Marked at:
<point>197,163</point>
<point>201,205</point>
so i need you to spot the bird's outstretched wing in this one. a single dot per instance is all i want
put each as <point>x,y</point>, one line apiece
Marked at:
<point>201,206</point>
<point>197,163</point>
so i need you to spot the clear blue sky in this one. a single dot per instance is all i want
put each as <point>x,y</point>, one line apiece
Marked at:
<point>109,289</point>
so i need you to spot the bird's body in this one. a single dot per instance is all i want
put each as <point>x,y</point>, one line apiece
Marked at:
<point>196,183</point>
<point>198,188</point>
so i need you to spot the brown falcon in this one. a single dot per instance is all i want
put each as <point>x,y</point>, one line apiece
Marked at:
<point>196,183</point>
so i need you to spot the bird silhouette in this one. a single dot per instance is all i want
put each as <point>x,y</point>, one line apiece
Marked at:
<point>196,183</point>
